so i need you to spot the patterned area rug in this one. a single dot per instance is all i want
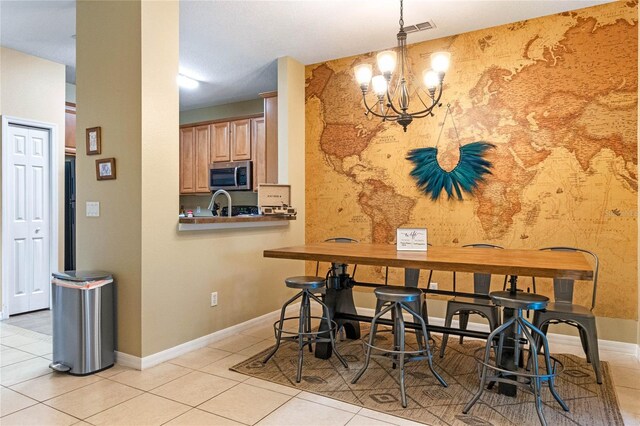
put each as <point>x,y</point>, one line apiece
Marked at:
<point>428,401</point>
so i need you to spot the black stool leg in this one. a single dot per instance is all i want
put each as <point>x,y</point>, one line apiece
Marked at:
<point>547,360</point>
<point>427,349</point>
<point>302,325</point>
<point>445,337</point>
<point>487,352</point>
<point>308,325</point>
<point>278,329</point>
<point>372,335</point>
<point>463,318</point>
<point>398,326</point>
<point>327,314</point>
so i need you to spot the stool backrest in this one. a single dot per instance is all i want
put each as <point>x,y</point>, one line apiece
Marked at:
<point>481,282</point>
<point>339,240</point>
<point>563,287</point>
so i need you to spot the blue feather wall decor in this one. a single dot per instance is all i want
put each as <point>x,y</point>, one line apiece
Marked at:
<point>465,176</point>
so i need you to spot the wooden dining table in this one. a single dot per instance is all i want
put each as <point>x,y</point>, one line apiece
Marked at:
<point>511,262</point>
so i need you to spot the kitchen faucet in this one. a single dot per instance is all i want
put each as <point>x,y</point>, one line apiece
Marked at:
<point>213,200</point>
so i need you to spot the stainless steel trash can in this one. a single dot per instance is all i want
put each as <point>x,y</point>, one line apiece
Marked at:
<point>83,321</point>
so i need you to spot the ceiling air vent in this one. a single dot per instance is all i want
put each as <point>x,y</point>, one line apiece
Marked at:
<point>422,26</point>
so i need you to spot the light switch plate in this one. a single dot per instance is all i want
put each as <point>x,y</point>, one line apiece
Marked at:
<point>93,209</point>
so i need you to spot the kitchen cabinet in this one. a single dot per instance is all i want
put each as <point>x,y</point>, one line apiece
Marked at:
<point>220,142</point>
<point>240,131</point>
<point>187,158</point>
<point>265,142</point>
<point>258,152</point>
<point>201,160</point>
<point>252,138</point>
<point>69,128</point>
<point>194,159</point>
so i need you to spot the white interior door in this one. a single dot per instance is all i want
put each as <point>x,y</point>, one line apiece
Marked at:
<point>29,219</point>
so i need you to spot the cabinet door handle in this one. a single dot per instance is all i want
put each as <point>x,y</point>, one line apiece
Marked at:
<point>235,177</point>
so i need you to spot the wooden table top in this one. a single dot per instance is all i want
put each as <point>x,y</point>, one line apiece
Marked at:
<point>552,264</point>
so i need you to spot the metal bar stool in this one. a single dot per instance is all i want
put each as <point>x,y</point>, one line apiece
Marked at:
<point>530,376</point>
<point>396,299</point>
<point>305,335</point>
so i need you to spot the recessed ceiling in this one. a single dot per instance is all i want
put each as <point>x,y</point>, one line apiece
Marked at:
<point>232,46</point>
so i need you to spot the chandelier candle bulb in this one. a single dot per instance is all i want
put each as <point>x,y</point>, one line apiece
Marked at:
<point>431,80</point>
<point>440,62</point>
<point>387,62</point>
<point>363,74</point>
<point>379,84</point>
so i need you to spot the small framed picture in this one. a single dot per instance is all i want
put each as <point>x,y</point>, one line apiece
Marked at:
<point>106,168</point>
<point>93,141</point>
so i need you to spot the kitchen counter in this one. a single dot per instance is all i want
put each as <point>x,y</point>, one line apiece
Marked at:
<point>225,222</point>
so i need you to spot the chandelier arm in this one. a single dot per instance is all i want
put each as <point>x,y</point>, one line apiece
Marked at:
<point>426,111</point>
<point>422,101</point>
<point>391,105</point>
<point>425,114</point>
<point>372,110</point>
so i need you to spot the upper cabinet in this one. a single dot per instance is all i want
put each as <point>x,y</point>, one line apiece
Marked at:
<point>187,161</point>
<point>220,142</point>
<point>252,138</point>
<point>201,161</point>
<point>70,128</point>
<point>267,155</point>
<point>240,140</point>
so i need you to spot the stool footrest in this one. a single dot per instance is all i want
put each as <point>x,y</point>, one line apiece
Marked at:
<point>365,343</point>
<point>556,366</point>
<point>278,326</point>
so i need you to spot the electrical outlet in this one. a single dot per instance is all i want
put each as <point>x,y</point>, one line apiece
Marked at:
<point>214,298</point>
<point>433,286</point>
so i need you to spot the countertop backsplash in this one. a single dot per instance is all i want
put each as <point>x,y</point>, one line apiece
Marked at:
<point>190,202</point>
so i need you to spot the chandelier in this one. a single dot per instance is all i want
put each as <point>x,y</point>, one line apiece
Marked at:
<point>393,93</point>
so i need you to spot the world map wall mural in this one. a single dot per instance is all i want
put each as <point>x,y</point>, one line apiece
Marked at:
<point>557,96</point>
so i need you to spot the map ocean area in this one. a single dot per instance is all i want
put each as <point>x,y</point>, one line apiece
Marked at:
<point>557,96</point>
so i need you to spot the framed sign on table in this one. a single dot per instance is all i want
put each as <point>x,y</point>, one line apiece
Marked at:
<point>411,239</point>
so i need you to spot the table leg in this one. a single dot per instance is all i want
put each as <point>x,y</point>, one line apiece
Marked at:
<point>338,300</point>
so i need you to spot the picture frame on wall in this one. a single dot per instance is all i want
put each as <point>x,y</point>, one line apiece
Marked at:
<point>106,169</point>
<point>93,141</point>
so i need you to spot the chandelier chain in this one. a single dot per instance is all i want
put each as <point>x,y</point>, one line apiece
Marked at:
<point>401,22</point>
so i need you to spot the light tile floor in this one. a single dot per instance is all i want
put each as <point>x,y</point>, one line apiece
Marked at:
<point>197,389</point>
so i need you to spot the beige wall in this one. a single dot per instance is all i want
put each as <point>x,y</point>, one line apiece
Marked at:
<point>164,277</point>
<point>235,109</point>
<point>108,89</point>
<point>177,298</point>
<point>32,88</point>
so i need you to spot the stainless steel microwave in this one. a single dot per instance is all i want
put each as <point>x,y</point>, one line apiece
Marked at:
<point>232,176</point>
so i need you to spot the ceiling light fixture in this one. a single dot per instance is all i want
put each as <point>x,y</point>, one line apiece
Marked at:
<point>389,94</point>
<point>187,82</point>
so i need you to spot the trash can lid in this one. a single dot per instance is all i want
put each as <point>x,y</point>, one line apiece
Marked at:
<point>82,275</point>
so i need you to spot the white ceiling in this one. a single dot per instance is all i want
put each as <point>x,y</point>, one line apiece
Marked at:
<point>232,46</point>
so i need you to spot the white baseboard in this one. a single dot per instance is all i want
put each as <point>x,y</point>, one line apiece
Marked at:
<point>138,363</point>
<point>149,361</point>
<point>554,338</point>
